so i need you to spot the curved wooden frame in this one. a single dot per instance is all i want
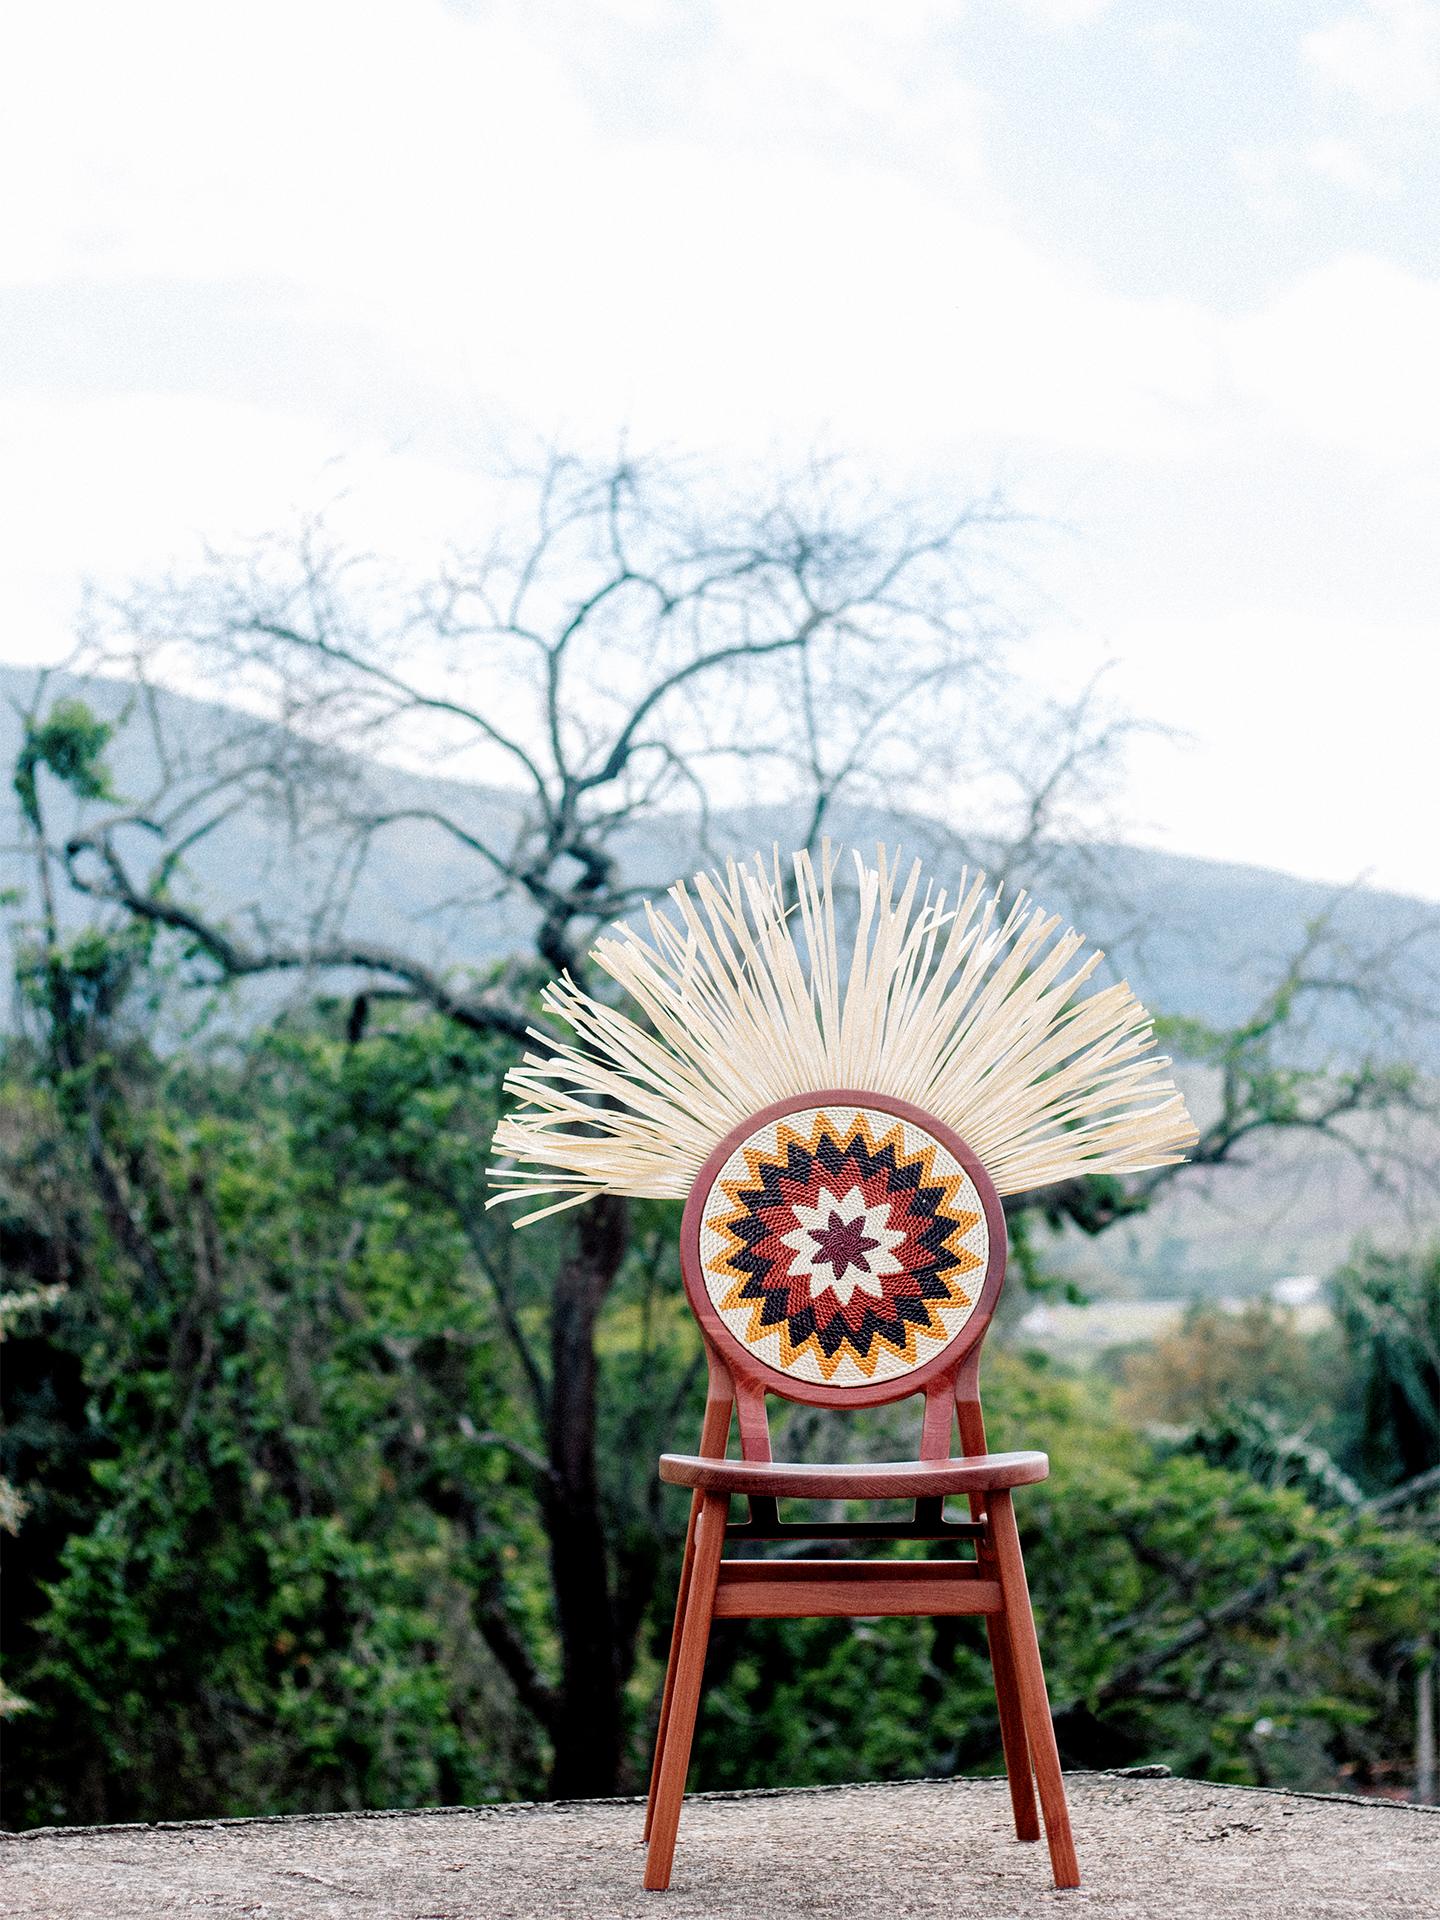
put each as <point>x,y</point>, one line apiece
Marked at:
<point>992,1584</point>
<point>754,1372</point>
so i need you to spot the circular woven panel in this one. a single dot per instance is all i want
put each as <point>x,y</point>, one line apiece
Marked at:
<point>843,1245</point>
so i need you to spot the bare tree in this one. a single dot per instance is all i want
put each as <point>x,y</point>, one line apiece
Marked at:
<point>639,644</point>
<point>1269,1077</point>
<point>635,650</point>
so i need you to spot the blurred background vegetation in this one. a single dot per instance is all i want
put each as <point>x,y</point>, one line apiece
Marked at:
<point>328,1490</point>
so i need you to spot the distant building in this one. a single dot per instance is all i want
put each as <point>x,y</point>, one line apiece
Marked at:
<point>1296,1290</point>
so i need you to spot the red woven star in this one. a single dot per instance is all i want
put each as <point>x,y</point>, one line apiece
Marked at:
<point>842,1244</point>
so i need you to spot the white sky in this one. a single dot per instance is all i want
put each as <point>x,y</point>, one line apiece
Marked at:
<point>1172,269</point>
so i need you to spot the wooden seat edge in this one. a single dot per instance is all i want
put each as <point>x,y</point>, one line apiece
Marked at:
<point>871,1480</point>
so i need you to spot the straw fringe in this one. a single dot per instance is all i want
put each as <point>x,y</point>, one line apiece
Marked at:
<point>969,1014</point>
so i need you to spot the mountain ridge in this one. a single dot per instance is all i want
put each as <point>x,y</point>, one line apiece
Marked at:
<point>1197,938</point>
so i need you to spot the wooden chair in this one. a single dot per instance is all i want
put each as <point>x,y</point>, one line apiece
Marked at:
<point>844,1249</point>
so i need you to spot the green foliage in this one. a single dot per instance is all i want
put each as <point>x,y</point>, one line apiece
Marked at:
<point>79,984</point>
<point>70,743</point>
<point>1262,1088</point>
<point>285,1470</point>
<point>1126,1545</point>
<point>252,1607</point>
<point>1253,1438</point>
<point>1216,1361</point>
<point>1388,1309</point>
<point>278,1442</point>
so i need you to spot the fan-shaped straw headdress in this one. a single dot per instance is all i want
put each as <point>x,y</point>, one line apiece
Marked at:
<point>967,1011</point>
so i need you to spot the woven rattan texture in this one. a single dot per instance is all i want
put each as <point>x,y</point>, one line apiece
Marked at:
<point>843,1245</point>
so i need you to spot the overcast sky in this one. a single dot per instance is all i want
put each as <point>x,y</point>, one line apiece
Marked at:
<point>1173,270</point>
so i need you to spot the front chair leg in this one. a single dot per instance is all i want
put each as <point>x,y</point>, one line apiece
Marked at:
<point>679,1728</point>
<point>1034,1701</point>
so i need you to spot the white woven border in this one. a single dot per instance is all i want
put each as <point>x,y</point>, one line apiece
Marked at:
<point>719,1281</point>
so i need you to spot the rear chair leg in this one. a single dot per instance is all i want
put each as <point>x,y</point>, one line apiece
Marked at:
<point>1007,1694</point>
<point>663,1722</point>
<point>1012,1731</point>
<point>1034,1701</point>
<point>679,1728</point>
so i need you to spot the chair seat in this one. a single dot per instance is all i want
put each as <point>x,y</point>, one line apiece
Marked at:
<point>878,1480</point>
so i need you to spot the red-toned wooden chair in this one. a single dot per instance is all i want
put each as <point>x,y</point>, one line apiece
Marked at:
<point>898,1217</point>
<point>845,1247</point>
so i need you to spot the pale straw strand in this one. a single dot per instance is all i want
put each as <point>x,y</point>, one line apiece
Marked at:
<point>968,1013</point>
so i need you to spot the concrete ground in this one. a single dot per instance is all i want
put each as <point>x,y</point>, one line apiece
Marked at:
<point>1150,1849</point>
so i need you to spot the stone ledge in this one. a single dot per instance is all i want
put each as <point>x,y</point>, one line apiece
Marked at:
<point>1148,1848</point>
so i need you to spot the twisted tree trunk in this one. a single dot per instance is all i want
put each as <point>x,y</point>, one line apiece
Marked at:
<point>587,1729</point>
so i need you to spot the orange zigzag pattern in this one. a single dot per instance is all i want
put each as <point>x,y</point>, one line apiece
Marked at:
<point>963,1220</point>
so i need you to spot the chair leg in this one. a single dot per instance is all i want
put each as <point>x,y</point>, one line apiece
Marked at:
<point>1012,1732</point>
<point>1030,1679</point>
<point>661,1725</point>
<point>1013,1742</point>
<point>685,1693</point>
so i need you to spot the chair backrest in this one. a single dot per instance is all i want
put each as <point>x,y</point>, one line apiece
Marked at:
<point>843,1249</point>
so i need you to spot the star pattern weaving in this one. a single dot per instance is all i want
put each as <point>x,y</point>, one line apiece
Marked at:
<point>835,1242</point>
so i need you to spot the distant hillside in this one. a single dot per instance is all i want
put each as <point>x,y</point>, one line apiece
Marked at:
<point>1212,932</point>
<point>1194,937</point>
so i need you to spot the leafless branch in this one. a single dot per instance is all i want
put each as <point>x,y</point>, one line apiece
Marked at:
<point>482,1013</point>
